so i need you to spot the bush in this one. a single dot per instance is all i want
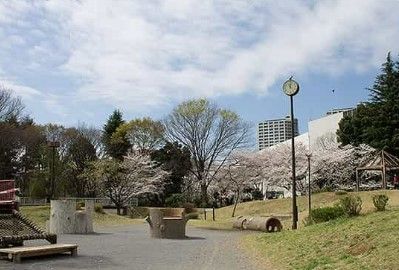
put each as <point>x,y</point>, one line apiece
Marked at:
<point>192,215</point>
<point>352,205</point>
<point>380,201</point>
<point>341,192</point>
<point>257,195</point>
<point>189,207</point>
<point>98,208</point>
<point>175,200</point>
<point>324,214</point>
<point>138,212</point>
<point>80,205</point>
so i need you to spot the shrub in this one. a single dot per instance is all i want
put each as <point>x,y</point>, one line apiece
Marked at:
<point>380,201</point>
<point>341,192</point>
<point>192,215</point>
<point>326,189</point>
<point>80,205</point>
<point>175,200</point>
<point>352,205</point>
<point>138,212</point>
<point>189,207</point>
<point>257,195</point>
<point>324,214</point>
<point>98,208</point>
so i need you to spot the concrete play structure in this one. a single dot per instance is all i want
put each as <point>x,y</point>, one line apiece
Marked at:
<point>65,219</point>
<point>264,224</point>
<point>167,223</point>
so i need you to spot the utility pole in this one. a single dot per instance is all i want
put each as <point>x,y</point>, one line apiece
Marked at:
<point>309,155</point>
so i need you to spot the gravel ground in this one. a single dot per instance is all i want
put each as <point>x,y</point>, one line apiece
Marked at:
<point>132,248</point>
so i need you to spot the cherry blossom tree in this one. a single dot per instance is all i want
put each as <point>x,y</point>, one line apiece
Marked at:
<point>334,166</point>
<point>239,172</point>
<point>276,166</point>
<point>143,175</point>
<point>132,177</point>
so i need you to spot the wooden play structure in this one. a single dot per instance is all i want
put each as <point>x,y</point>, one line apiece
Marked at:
<point>167,223</point>
<point>263,224</point>
<point>15,229</point>
<point>382,161</point>
<point>16,253</point>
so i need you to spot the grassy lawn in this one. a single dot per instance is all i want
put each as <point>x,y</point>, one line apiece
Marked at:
<point>365,242</point>
<point>283,207</point>
<point>39,215</point>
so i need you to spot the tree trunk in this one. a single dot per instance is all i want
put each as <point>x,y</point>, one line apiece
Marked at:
<point>236,202</point>
<point>204,194</point>
<point>118,209</point>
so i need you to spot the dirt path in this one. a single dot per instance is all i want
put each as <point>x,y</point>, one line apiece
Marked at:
<point>131,248</point>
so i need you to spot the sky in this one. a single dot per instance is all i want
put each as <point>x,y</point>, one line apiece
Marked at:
<point>77,61</point>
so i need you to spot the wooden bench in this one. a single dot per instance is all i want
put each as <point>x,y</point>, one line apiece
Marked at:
<point>15,254</point>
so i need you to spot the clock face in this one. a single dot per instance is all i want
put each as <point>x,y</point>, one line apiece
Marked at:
<point>291,87</point>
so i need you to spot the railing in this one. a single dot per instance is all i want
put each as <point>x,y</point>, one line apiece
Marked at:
<point>103,201</point>
<point>28,201</point>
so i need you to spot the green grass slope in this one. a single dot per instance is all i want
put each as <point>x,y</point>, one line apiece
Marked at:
<point>366,242</point>
<point>284,207</point>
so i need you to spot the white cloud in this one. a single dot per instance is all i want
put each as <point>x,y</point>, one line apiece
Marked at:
<point>52,102</point>
<point>22,91</point>
<point>148,53</point>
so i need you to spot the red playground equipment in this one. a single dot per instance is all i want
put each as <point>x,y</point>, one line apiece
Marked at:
<point>8,201</point>
<point>15,228</point>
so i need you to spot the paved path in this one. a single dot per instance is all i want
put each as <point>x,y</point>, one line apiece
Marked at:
<point>131,248</point>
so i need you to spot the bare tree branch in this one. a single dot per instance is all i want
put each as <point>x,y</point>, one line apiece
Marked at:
<point>209,132</point>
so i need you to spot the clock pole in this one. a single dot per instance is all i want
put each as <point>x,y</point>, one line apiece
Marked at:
<point>294,203</point>
<point>291,88</point>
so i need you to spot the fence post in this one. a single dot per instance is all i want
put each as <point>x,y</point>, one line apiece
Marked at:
<point>205,213</point>
<point>213,213</point>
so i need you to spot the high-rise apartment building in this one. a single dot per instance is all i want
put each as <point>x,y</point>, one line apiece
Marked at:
<point>271,132</point>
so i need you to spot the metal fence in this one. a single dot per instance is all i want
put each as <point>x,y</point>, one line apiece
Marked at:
<point>105,201</point>
<point>27,201</point>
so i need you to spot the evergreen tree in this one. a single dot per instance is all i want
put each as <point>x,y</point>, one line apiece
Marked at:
<point>174,159</point>
<point>376,122</point>
<point>114,149</point>
<point>79,154</point>
<point>383,90</point>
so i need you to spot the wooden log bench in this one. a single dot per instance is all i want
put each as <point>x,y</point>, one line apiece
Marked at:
<point>16,253</point>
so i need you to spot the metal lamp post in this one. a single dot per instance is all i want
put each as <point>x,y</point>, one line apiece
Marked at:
<point>309,155</point>
<point>291,88</point>
<point>53,145</point>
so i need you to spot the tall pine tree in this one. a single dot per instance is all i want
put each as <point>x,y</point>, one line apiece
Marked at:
<point>376,122</point>
<point>114,149</point>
